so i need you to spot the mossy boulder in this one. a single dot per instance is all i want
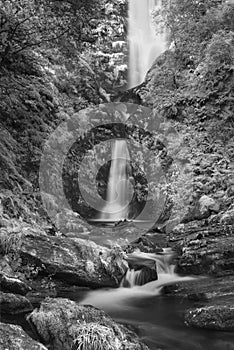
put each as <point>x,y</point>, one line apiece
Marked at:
<point>215,317</point>
<point>13,337</point>
<point>65,325</point>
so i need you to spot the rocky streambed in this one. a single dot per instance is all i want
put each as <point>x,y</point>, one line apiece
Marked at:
<point>50,267</point>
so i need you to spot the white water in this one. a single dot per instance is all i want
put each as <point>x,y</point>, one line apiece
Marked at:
<point>118,189</point>
<point>113,299</point>
<point>144,45</point>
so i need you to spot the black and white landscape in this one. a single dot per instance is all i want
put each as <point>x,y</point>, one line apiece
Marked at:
<point>116,175</point>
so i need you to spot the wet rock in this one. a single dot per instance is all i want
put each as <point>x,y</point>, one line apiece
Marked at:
<point>75,261</point>
<point>215,317</point>
<point>13,285</point>
<point>14,304</point>
<point>148,244</point>
<point>204,289</point>
<point>64,325</point>
<point>14,338</point>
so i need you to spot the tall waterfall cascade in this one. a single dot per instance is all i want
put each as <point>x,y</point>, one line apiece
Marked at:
<point>144,47</point>
<point>144,44</point>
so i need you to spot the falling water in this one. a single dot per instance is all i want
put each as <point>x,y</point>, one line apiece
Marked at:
<point>164,266</point>
<point>144,44</point>
<point>118,191</point>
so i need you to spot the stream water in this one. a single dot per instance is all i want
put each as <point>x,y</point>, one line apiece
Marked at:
<point>158,319</point>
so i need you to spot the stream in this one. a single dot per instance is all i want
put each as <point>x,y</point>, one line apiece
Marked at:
<point>156,318</point>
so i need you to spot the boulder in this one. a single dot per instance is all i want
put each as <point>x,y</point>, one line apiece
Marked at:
<point>207,205</point>
<point>201,209</point>
<point>14,304</point>
<point>13,285</point>
<point>215,317</point>
<point>14,338</point>
<point>65,325</point>
<point>73,260</point>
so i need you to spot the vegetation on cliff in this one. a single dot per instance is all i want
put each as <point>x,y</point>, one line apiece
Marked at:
<point>191,85</point>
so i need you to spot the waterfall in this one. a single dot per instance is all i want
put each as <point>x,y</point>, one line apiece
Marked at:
<point>144,47</point>
<point>118,191</point>
<point>133,278</point>
<point>131,287</point>
<point>163,263</point>
<point>144,44</point>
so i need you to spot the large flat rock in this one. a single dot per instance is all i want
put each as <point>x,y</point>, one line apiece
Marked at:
<point>75,261</point>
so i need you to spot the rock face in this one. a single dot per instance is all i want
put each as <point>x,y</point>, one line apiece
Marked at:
<point>75,261</point>
<point>215,317</point>
<point>65,325</point>
<point>14,338</point>
<point>203,249</point>
<point>14,304</point>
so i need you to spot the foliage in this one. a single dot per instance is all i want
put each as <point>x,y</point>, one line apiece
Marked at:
<point>192,85</point>
<point>195,76</point>
<point>27,24</point>
<point>93,336</point>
